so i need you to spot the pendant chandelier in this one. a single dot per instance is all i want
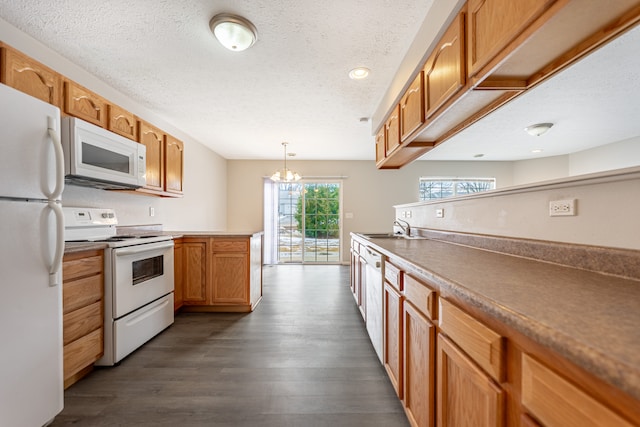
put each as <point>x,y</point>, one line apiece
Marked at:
<point>285,174</point>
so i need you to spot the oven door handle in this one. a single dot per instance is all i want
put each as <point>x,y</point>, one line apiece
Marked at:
<point>141,249</point>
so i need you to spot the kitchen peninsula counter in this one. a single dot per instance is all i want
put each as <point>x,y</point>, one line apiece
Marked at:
<point>589,318</point>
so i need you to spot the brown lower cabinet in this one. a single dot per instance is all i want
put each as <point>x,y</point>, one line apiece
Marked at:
<point>466,395</point>
<point>82,308</point>
<point>419,334</point>
<point>221,273</point>
<point>452,364</point>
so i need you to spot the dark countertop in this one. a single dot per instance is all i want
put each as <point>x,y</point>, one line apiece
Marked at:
<point>591,319</point>
<point>178,234</point>
<point>72,247</point>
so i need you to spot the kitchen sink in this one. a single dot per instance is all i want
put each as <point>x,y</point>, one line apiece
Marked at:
<point>390,236</point>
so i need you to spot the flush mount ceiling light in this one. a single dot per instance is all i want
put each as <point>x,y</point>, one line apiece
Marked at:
<point>359,73</point>
<point>538,129</point>
<point>233,32</point>
<point>284,174</point>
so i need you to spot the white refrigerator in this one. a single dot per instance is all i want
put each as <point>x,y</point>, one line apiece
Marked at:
<point>31,249</point>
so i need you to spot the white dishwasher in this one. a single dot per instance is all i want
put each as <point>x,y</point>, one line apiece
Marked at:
<point>373,295</point>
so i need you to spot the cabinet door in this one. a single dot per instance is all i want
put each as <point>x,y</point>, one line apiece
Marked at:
<point>122,122</point>
<point>178,269</point>
<point>493,24</point>
<point>467,397</point>
<point>153,139</point>
<point>173,165</point>
<point>393,131</point>
<point>380,145</point>
<point>31,77</point>
<point>194,290</point>
<point>411,108</point>
<point>444,71</point>
<point>392,356</point>
<point>84,104</point>
<point>230,280</point>
<point>419,368</point>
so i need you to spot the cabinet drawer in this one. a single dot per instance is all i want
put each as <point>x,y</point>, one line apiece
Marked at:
<point>83,352</point>
<point>82,292</point>
<point>393,276</point>
<point>421,296</point>
<point>483,345</point>
<point>81,267</point>
<point>556,402</point>
<point>79,323</point>
<point>230,245</point>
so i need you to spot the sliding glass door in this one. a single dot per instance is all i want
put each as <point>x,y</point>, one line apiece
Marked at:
<point>306,222</point>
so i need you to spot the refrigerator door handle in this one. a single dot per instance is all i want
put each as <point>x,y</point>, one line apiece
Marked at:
<point>57,146</point>
<point>56,264</point>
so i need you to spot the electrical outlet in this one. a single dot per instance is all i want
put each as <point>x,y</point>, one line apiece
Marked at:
<point>408,214</point>
<point>565,207</point>
<point>152,211</point>
<point>440,213</point>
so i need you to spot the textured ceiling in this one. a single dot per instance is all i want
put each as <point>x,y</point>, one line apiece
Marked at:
<point>292,84</point>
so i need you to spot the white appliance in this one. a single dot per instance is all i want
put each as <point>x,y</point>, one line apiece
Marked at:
<point>139,280</point>
<point>374,273</point>
<point>95,157</point>
<point>32,229</point>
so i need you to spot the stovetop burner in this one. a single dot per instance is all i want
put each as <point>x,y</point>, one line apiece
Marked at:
<point>99,225</point>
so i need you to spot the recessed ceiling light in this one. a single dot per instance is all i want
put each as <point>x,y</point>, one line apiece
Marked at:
<point>537,150</point>
<point>538,129</point>
<point>359,73</point>
<point>233,32</point>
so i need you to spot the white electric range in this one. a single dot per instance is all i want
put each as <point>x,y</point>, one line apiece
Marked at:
<point>139,280</point>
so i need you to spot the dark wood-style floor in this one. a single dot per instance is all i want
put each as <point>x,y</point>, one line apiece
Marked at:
<point>303,358</point>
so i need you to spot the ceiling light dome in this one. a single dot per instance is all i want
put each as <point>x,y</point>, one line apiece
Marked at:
<point>538,129</point>
<point>233,32</point>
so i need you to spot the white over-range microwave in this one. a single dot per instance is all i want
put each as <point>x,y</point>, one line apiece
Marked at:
<point>95,157</point>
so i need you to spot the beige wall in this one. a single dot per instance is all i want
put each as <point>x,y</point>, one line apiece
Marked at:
<point>204,205</point>
<point>607,211</point>
<point>368,193</point>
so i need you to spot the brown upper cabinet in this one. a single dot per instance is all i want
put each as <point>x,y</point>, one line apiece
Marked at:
<point>82,103</point>
<point>165,161</point>
<point>174,161</point>
<point>380,145</point>
<point>444,71</point>
<point>154,139</point>
<point>122,122</point>
<point>493,24</point>
<point>29,76</point>
<point>411,108</point>
<point>165,154</point>
<point>392,131</point>
<point>492,52</point>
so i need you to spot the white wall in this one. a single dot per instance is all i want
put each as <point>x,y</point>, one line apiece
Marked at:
<point>536,170</point>
<point>622,154</point>
<point>608,208</point>
<point>368,193</point>
<point>203,206</point>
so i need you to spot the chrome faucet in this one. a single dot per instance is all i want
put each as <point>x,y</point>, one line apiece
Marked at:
<point>406,229</point>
